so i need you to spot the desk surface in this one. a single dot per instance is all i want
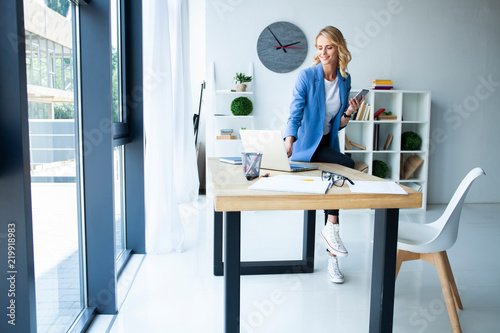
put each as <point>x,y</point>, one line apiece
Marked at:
<point>231,192</point>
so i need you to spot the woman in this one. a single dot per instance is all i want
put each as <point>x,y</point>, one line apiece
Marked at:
<point>319,109</point>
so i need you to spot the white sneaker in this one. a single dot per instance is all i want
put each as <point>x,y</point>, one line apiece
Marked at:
<point>331,238</point>
<point>334,271</point>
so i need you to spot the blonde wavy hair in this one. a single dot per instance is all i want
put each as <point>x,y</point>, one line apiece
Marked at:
<point>335,36</point>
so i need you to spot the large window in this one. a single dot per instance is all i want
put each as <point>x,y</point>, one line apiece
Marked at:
<point>63,189</point>
<point>119,200</point>
<point>116,60</point>
<point>55,163</point>
<point>120,130</point>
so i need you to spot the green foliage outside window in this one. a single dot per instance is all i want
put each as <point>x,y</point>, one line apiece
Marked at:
<point>64,111</point>
<point>115,84</point>
<point>38,110</point>
<point>59,6</point>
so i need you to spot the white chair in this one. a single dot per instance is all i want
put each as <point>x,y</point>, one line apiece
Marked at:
<point>430,241</point>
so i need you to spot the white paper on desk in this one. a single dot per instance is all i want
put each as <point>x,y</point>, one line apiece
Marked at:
<point>289,183</point>
<point>380,187</point>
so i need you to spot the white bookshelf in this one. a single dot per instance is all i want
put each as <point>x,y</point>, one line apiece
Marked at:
<point>412,110</point>
<point>220,116</point>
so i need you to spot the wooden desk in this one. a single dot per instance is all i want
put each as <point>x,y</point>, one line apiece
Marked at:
<point>231,197</point>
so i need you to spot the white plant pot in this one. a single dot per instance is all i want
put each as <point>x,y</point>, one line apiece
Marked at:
<point>241,87</point>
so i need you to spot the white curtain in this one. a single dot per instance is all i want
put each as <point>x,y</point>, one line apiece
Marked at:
<point>171,175</point>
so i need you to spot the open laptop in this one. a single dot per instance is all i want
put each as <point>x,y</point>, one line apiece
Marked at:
<point>272,147</point>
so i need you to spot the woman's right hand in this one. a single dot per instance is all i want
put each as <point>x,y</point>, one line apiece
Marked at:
<point>289,145</point>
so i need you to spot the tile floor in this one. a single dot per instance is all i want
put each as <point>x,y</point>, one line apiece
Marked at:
<point>57,262</point>
<point>56,251</point>
<point>177,292</point>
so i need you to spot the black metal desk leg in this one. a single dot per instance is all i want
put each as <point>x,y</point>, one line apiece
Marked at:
<point>384,270</point>
<point>232,241</point>
<point>218,270</point>
<point>304,265</point>
<point>308,242</point>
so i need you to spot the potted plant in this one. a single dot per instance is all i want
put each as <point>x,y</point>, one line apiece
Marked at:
<point>240,79</point>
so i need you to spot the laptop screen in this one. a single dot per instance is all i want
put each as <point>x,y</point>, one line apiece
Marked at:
<point>270,144</point>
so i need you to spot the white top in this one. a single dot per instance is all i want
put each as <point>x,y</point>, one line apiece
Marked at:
<point>332,103</point>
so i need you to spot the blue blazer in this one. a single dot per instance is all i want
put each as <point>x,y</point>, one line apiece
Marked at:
<point>307,112</point>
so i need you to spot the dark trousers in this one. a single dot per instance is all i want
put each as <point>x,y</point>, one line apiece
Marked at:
<point>329,155</point>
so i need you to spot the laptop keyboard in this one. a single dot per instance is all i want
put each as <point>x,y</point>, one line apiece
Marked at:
<point>295,166</point>
<point>301,167</point>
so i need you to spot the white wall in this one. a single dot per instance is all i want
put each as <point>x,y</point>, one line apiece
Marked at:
<point>450,47</point>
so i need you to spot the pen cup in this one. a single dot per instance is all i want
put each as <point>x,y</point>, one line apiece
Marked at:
<point>251,165</point>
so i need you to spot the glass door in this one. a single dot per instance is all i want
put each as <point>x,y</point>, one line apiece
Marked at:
<point>52,78</point>
<point>119,123</point>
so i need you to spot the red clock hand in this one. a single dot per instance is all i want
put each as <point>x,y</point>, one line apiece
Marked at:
<point>288,46</point>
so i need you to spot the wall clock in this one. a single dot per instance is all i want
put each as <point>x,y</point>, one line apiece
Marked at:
<point>282,47</point>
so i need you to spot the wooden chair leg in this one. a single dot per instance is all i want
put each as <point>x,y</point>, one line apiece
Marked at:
<point>399,261</point>
<point>458,301</point>
<point>439,259</point>
<point>404,256</point>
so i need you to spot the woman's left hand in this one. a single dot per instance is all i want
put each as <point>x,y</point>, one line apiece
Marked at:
<point>354,104</point>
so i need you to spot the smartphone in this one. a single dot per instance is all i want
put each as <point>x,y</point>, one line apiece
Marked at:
<point>361,94</point>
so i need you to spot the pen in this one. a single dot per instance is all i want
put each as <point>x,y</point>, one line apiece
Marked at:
<point>249,174</point>
<point>307,180</point>
<point>252,164</point>
<point>266,175</point>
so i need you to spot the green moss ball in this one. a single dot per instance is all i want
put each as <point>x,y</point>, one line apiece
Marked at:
<point>380,169</point>
<point>241,106</point>
<point>410,141</point>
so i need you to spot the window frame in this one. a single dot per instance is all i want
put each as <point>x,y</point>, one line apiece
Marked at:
<point>121,133</point>
<point>15,192</point>
<point>98,166</point>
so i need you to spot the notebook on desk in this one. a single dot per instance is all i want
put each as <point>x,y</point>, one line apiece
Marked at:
<point>272,147</point>
<point>289,183</point>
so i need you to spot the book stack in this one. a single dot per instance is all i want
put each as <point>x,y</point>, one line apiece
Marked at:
<point>361,166</point>
<point>226,134</point>
<point>363,112</point>
<point>382,84</point>
<point>381,114</point>
<point>387,117</point>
